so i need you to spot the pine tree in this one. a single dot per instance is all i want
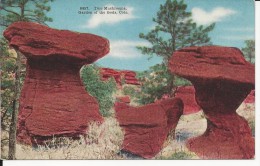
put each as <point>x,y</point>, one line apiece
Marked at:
<point>174,29</point>
<point>24,10</point>
<point>249,51</point>
<point>12,11</point>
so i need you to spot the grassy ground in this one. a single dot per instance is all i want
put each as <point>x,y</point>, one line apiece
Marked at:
<point>104,142</point>
<point>101,142</point>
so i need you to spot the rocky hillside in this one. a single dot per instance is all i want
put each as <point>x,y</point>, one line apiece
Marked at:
<point>120,76</point>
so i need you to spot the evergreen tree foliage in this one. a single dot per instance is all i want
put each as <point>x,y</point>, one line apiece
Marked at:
<point>101,90</point>
<point>249,51</point>
<point>174,29</point>
<point>155,84</point>
<point>24,10</point>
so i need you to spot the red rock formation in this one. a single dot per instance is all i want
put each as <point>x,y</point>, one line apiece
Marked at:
<point>146,127</point>
<point>250,98</point>
<point>187,94</point>
<point>106,73</point>
<point>53,100</point>
<point>128,76</point>
<point>121,106</point>
<point>222,80</point>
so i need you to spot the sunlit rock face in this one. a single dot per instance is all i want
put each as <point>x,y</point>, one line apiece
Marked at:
<point>147,127</point>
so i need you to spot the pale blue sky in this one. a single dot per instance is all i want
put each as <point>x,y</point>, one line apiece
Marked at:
<point>234,24</point>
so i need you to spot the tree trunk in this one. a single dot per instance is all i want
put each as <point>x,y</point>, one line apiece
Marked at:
<point>2,120</point>
<point>171,86</point>
<point>171,90</point>
<point>12,132</point>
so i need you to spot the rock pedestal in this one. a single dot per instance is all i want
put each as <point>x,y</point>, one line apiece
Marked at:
<point>53,100</point>
<point>147,127</point>
<point>222,80</point>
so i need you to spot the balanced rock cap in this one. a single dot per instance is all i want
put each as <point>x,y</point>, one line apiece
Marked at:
<point>212,63</point>
<point>36,40</point>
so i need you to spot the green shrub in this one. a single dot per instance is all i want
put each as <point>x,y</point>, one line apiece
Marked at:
<point>156,82</point>
<point>101,90</point>
<point>129,90</point>
<point>252,126</point>
<point>179,81</point>
<point>177,156</point>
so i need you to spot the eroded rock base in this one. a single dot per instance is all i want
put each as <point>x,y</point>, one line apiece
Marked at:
<point>54,102</point>
<point>226,137</point>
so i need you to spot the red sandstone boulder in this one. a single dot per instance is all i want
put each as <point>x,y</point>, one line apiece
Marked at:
<point>147,127</point>
<point>128,76</point>
<point>129,73</point>
<point>107,73</point>
<point>187,94</point>
<point>121,106</point>
<point>222,79</point>
<point>38,41</point>
<point>132,82</point>
<point>53,100</point>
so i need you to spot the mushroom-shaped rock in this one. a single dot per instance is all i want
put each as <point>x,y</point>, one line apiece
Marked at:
<point>222,80</point>
<point>147,127</point>
<point>53,100</point>
<point>187,94</point>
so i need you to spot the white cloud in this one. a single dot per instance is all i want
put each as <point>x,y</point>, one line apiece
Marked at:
<point>125,49</point>
<point>98,19</point>
<point>203,17</point>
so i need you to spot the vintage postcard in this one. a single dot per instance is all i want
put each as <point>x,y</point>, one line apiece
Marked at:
<point>127,80</point>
